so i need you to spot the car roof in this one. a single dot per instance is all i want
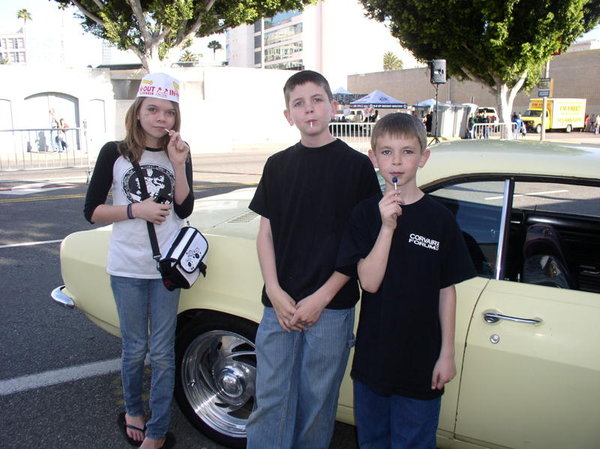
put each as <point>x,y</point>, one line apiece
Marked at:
<point>510,157</point>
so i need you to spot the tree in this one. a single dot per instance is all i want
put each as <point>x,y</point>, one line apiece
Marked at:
<point>501,43</point>
<point>188,56</point>
<point>391,61</point>
<point>151,29</point>
<point>214,46</point>
<point>23,14</point>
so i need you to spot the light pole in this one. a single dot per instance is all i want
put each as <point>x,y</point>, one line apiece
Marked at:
<point>438,76</point>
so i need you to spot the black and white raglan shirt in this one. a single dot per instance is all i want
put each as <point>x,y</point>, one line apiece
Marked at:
<point>130,253</point>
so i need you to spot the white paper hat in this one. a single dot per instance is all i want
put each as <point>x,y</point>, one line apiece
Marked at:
<point>159,85</point>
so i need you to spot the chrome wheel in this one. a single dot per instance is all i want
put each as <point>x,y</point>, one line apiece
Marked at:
<point>217,374</point>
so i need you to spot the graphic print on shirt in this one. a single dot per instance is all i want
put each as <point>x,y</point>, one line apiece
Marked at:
<point>160,183</point>
<point>424,242</point>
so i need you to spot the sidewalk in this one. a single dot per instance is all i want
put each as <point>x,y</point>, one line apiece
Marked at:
<point>242,166</point>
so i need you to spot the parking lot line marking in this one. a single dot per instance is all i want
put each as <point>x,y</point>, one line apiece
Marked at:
<point>58,376</point>
<point>548,192</point>
<point>24,199</point>
<point>13,245</point>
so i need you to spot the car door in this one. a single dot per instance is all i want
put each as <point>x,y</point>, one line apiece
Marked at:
<point>480,221</point>
<point>531,363</point>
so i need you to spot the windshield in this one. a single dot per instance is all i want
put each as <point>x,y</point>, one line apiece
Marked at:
<point>532,113</point>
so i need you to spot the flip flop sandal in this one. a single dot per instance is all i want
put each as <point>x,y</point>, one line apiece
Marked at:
<point>123,426</point>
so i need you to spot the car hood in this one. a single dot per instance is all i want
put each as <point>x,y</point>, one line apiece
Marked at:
<point>226,214</point>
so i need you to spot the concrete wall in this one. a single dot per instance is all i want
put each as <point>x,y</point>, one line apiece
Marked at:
<point>222,108</point>
<point>80,96</point>
<point>226,108</point>
<point>575,75</point>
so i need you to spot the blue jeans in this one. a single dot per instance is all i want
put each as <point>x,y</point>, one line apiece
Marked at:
<point>298,380</point>
<point>394,422</point>
<point>148,318</point>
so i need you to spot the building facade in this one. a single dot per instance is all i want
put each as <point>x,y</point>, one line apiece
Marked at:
<point>333,37</point>
<point>574,75</point>
<point>12,48</point>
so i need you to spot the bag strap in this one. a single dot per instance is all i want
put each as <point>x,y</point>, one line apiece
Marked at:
<point>151,230</point>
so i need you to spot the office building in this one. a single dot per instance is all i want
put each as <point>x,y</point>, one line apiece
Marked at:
<point>12,47</point>
<point>333,37</point>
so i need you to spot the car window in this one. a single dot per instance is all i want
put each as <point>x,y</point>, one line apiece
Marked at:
<point>555,236</point>
<point>557,198</point>
<point>477,207</point>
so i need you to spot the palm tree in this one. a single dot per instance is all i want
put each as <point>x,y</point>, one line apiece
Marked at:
<point>391,61</point>
<point>188,56</point>
<point>23,14</point>
<point>214,46</point>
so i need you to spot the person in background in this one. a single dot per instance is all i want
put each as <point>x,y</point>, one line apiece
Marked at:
<point>61,137</point>
<point>471,127</point>
<point>523,127</point>
<point>518,125</point>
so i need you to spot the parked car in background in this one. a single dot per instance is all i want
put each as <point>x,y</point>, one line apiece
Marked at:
<point>527,331</point>
<point>487,111</point>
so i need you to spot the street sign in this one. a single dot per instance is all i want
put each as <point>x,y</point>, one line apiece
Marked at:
<point>545,86</point>
<point>544,83</point>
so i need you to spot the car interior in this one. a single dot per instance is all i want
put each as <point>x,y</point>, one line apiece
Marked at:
<point>553,235</point>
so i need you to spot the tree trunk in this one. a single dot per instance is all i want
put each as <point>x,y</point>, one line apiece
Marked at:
<point>505,97</point>
<point>151,61</point>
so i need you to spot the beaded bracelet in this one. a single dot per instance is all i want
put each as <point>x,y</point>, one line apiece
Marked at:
<point>130,212</point>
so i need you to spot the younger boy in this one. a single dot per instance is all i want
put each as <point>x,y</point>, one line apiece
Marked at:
<point>409,253</point>
<point>305,197</point>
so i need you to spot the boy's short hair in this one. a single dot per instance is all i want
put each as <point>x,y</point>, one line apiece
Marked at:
<point>399,124</point>
<point>304,77</point>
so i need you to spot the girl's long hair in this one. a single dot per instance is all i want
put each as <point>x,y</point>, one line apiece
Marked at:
<point>134,143</point>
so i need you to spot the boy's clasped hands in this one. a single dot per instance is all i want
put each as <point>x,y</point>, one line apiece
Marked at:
<point>296,316</point>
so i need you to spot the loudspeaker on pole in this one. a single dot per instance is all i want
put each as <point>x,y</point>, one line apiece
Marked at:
<point>438,71</point>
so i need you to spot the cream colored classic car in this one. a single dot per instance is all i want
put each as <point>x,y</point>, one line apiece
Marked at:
<point>527,334</point>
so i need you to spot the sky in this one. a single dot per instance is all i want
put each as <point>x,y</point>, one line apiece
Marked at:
<point>70,44</point>
<point>75,48</point>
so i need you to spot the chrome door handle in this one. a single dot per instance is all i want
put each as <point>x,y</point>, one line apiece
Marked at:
<point>492,317</point>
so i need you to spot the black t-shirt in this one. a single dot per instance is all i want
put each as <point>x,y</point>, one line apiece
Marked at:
<point>399,335</point>
<point>308,194</point>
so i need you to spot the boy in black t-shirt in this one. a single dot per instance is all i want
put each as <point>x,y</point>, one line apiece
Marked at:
<point>305,197</point>
<point>408,253</point>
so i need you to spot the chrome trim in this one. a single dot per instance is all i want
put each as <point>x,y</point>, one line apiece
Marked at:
<point>62,299</point>
<point>504,228</point>
<point>491,318</point>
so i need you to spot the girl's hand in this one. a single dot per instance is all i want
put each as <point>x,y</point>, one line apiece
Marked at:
<point>151,211</point>
<point>177,149</point>
<point>390,209</point>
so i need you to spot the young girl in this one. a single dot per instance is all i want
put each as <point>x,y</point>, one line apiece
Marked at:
<point>147,310</point>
